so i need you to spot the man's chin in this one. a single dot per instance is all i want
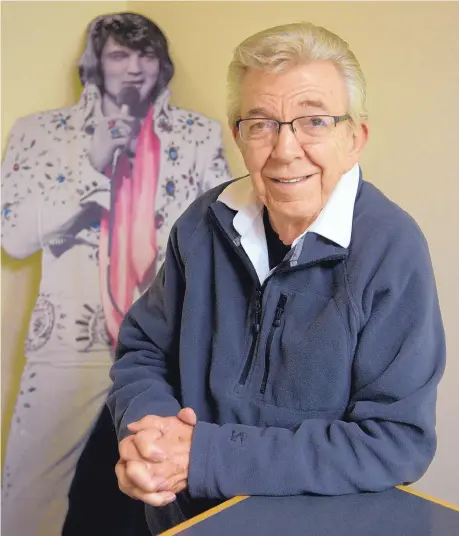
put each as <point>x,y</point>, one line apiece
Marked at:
<point>297,209</point>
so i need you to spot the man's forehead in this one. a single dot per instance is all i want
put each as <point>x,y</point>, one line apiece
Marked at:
<point>113,46</point>
<point>312,85</point>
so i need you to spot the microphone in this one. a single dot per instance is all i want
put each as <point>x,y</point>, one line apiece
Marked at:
<point>128,101</point>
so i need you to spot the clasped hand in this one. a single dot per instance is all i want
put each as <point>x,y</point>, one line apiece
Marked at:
<point>154,460</point>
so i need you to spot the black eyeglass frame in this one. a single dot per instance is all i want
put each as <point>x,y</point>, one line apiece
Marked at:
<point>336,118</point>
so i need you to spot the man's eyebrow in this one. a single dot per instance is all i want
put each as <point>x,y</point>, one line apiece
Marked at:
<point>115,51</point>
<point>307,103</point>
<point>312,103</point>
<point>258,112</point>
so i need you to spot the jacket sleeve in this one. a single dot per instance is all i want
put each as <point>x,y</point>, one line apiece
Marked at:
<point>387,436</point>
<point>145,371</point>
<point>40,196</point>
<point>215,170</point>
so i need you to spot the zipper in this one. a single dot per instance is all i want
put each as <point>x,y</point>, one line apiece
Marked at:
<point>276,323</point>
<point>255,330</point>
<point>256,324</point>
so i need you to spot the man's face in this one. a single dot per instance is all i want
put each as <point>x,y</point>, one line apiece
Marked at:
<point>123,66</point>
<point>316,88</point>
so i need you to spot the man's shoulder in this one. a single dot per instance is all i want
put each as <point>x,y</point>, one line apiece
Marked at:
<point>387,243</point>
<point>54,121</point>
<point>378,219</point>
<point>49,114</point>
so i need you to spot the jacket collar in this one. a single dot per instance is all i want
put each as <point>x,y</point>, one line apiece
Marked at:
<point>334,222</point>
<point>327,238</point>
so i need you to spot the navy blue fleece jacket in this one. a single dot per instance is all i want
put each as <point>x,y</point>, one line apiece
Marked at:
<point>321,380</point>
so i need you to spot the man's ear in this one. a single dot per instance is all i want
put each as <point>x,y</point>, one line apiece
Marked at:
<point>359,138</point>
<point>235,132</point>
<point>237,138</point>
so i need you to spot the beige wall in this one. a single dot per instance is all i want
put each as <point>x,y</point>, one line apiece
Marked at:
<point>409,52</point>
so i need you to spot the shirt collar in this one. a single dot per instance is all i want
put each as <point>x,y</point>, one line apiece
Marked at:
<point>240,196</point>
<point>334,221</point>
<point>248,223</point>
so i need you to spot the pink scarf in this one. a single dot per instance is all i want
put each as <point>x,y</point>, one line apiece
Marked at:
<point>133,233</point>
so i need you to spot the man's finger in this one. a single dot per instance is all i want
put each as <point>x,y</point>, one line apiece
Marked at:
<point>176,483</point>
<point>154,499</point>
<point>141,477</point>
<point>145,443</point>
<point>158,499</point>
<point>149,421</point>
<point>123,482</point>
<point>128,450</point>
<point>113,119</point>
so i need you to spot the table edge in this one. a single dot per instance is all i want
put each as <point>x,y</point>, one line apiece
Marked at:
<point>201,517</point>
<point>429,498</point>
<point>231,502</point>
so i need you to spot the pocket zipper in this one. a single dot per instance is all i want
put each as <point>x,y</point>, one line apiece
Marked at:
<point>255,330</point>
<point>276,323</point>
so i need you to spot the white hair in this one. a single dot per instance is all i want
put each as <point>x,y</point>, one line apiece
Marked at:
<point>276,49</point>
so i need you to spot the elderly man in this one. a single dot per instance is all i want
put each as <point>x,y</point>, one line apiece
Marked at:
<point>292,342</point>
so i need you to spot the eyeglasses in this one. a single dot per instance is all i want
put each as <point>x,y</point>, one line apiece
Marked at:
<point>307,128</point>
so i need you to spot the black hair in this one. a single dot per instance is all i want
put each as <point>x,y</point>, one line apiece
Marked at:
<point>133,31</point>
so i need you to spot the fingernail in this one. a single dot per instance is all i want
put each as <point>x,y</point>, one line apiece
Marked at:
<point>169,497</point>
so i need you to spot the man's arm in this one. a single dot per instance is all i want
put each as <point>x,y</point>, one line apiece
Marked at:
<point>41,197</point>
<point>145,371</point>
<point>388,434</point>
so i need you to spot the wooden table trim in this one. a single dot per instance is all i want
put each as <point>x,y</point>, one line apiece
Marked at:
<point>429,498</point>
<point>209,513</point>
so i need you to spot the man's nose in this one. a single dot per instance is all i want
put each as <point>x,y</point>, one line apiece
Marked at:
<point>286,146</point>
<point>134,65</point>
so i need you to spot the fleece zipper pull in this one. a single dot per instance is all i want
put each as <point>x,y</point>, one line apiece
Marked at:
<point>276,323</point>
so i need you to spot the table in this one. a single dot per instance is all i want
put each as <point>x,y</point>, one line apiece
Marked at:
<point>395,512</point>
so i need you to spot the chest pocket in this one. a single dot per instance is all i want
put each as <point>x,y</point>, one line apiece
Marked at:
<point>307,358</point>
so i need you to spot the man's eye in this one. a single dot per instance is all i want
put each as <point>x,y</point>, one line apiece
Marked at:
<point>118,55</point>
<point>259,126</point>
<point>318,122</point>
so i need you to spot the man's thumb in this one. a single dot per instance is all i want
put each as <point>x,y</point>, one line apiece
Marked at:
<point>188,416</point>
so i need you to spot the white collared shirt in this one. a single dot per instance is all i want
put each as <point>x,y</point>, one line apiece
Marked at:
<point>334,221</point>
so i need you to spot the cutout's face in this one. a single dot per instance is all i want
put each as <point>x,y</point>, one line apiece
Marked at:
<point>123,66</point>
<point>312,167</point>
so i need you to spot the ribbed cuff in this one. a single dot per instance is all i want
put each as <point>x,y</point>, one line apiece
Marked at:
<point>200,460</point>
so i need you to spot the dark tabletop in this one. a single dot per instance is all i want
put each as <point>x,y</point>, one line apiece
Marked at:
<point>389,513</point>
